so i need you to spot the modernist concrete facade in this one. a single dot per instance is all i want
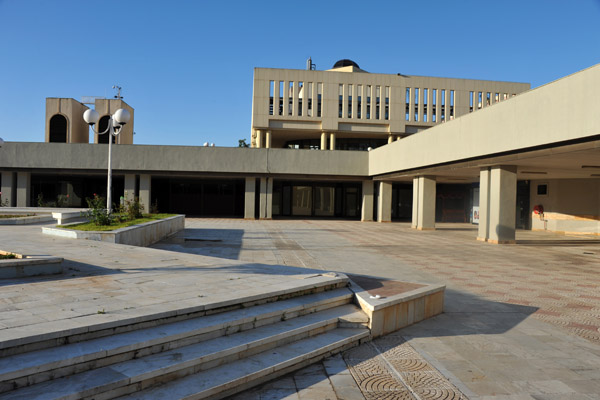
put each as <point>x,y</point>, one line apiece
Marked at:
<point>542,145</point>
<point>348,108</point>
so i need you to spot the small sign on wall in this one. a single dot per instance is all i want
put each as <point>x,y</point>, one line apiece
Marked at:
<point>475,216</point>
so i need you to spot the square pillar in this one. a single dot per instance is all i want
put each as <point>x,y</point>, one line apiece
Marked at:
<point>130,189</point>
<point>332,141</point>
<point>266,198</point>
<point>384,202</point>
<point>23,189</point>
<point>258,139</point>
<point>368,189</point>
<point>8,189</point>
<point>502,204</point>
<point>483,232</point>
<point>145,191</point>
<point>424,208</point>
<point>415,203</point>
<point>249,198</point>
<point>323,141</point>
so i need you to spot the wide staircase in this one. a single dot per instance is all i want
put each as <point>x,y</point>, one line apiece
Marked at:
<point>220,353</point>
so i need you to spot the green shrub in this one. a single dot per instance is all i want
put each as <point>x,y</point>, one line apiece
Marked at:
<point>97,212</point>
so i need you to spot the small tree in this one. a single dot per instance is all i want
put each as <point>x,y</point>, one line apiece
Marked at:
<point>242,143</point>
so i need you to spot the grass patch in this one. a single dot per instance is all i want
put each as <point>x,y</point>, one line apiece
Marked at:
<point>16,216</point>
<point>90,226</point>
<point>7,256</point>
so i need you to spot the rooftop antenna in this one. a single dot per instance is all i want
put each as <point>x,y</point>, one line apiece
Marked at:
<point>310,66</point>
<point>118,96</point>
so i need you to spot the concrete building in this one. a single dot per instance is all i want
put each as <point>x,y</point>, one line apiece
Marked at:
<point>528,161</point>
<point>347,108</point>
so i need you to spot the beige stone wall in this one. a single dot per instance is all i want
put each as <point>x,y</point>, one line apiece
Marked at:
<point>108,107</point>
<point>72,110</point>
<point>571,206</point>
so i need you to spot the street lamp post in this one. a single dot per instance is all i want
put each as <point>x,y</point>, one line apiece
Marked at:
<point>115,124</point>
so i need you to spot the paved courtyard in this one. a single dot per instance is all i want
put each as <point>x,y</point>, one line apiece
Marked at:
<point>521,321</point>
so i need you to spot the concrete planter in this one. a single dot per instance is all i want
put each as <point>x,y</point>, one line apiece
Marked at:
<point>24,266</point>
<point>136,235</point>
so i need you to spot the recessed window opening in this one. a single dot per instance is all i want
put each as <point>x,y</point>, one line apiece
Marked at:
<point>377,115</point>
<point>280,97</point>
<point>58,129</point>
<point>340,101</point>
<point>300,97</point>
<point>496,97</point>
<point>542,189</point>
<point>425,94</point>
<point>407,103</point>
<point>102,126</point>
<point>368,101</point>
<point>349,101</point>
<point>416,104</point>
<point>271,90</point>
<point>319,95</point>
<point>309,88</point>
<point>443,110</point>
<point>387,102</point>
<point>488,98</point>
<point>290,98</point>
<point>452,104</point>
<point>434,102</point>
<point>359,101</point>
<point>479,99</point>
<point>470,101</point>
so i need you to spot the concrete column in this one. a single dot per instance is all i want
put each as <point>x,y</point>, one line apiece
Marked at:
<point>384,202</point>
<point>268,139</point>
<point>483,232</point>
<point>266,198</point>
<point>332,141</point>
<point>390,138</point>
<point>145,191</point>
<point>258,138</point>
<point>249,198</point>
<point>323,141</point>
<point>502,204</point>
<point>423,212</point>
<point>130,189</point>
<point>23,189</point>
<point>368,189</point>
<point>9,189</point>
<point>415,203</point>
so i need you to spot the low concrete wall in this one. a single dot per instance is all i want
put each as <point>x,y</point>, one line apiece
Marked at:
<point>24,220</point>
<point>136,235</point>
<point>24,266</point>
<point>388,314</point>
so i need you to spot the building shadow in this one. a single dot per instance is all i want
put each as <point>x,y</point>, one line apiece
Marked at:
<point>468,314</point>
<point>71,270</point>
<point>220,243</point>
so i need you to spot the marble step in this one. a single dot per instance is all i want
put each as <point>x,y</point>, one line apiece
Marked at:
<point>38,366</point>
<point>100,325</point>
<point>241,375</point>
<point>136,374</point>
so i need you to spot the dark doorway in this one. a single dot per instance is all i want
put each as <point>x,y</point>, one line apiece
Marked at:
<point>402,198</point>
<point>453,203</point>
<point>58,129</point>
<point>523,216</point>
<point>317,199</point>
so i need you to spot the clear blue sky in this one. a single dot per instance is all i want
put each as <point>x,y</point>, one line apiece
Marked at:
<point>186,66</point>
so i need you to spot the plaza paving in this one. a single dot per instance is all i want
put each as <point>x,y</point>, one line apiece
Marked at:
<point>520,322</point>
